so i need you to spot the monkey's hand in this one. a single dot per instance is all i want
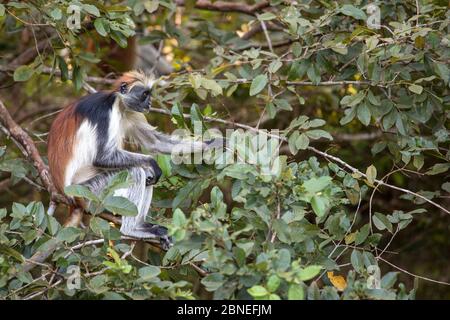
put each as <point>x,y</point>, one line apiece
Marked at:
<point>153,173</point>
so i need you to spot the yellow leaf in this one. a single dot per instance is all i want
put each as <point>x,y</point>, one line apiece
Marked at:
<point>371,174</point>
<point>352,90</point>
<point>350,238</point>
<point>337,281</point>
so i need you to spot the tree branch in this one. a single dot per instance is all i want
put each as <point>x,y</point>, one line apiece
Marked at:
<point>321,153</point>
<point>31,151</point>
<point>224,6</point>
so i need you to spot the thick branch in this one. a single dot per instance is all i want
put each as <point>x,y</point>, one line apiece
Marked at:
<point>30,149</point>
<point>225,6</point>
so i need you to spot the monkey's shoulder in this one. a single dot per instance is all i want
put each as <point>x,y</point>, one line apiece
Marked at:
<point>96,104</point>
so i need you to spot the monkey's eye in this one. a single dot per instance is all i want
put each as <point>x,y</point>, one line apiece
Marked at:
<point>123,88</point>
<point>145,94</point>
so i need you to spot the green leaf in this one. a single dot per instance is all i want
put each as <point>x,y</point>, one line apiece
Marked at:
<point>362,234</point>
<point>8,251</point>
<point>316,123</point>
<point>77,77</point>
<point>313,74</point>
<point>19,211</point>
<point>56,14</point>
<point>258,84</point>
<point>119,181</point>
<point>69,234</point>
<point>258,291</point>
<point>151,6</point>
<point>23,73</point>
<point>353,100</point>
<point>80,191</point>
<point>99,26</point>
<point>309,272</point>
<point>373,99</point>
<point>315,185</point>
<point>442,71</point>
<point>284,260</point>
<point>120,205</point>
<point>363,114</point>
<point>119,38</point>
<point>292,142</point>
<point>349,115</point>
<point>98,283</point>
<point>99,226</point>
<point>357,261</point>
<point>2,10</point>
<point>381,222</point>
<point>389,119</point>
<point>163,161</point>
<point>91,9</point>
<point>302,142</point>
<point>438,168</point>
<point>179,219</point>
<point>63,68</point>
<point>388,280</point>
<point>319,205</point>
<point>296,292</point>
<point>212,85</point>
<point>149,272</point>
<point>415,88</point>
<point>3,211</point>
<point>213,281</point>
<point>296,49</point>
<point>352,11</point>
<point>273,283</point>
<point>318,133</point>
<point>371,173</point>
<point>266,16</point>
<point>378,147</point>
<point>445,186</point>
<point>89,57</point>
<point>274,66</point>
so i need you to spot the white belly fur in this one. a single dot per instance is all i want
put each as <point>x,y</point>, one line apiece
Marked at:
<point>80,167</point>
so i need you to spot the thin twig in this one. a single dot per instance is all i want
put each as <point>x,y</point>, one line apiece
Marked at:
<point>412,274</point>
<point>266,34</point>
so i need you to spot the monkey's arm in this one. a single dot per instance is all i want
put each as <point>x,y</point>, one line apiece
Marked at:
<point>121,159</point>
<point>157,142</point>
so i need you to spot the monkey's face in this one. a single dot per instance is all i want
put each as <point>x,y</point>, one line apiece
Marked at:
<point>138,98</point>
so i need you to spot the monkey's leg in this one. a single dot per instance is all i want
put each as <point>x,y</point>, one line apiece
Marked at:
<point>140,193</point>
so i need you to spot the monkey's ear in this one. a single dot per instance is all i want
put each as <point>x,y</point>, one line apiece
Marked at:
<point>123,88</point>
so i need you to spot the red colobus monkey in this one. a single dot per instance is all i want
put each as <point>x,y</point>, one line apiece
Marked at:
<point>86,140</point>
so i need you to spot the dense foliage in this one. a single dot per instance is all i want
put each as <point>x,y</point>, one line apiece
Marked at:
<point>343,94</point>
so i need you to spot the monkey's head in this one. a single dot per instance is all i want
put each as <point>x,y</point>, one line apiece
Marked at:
<point>134,89</point>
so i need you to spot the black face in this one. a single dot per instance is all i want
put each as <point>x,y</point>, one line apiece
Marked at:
<point>137,99</point>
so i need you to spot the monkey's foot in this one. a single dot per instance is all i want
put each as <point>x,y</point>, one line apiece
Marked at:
<point>149,231</point>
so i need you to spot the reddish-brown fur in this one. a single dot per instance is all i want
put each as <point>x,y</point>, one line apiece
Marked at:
<point>61,141</point>
<point>126,77</point>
